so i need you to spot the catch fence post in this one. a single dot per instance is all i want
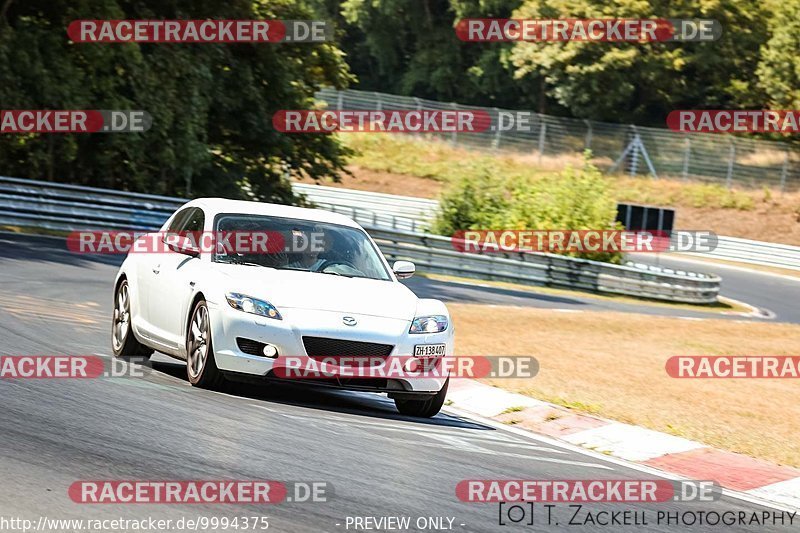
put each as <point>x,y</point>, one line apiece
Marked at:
<point>731,159</point>
<point>542,136</point>
<point>687,153</point>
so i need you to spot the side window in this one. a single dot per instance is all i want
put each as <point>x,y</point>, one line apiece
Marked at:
<point>179,220</point>
<point>196,221</point>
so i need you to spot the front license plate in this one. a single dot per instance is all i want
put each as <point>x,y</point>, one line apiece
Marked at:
<point>429,350</point>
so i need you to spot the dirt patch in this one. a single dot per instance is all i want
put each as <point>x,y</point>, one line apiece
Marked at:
<point>766,222</point>
<point>386,182</point>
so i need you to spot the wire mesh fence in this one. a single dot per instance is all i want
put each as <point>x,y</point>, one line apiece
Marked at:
<point>557,141</point>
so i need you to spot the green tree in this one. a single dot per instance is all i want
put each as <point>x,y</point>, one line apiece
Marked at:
<point>779,69</point>
<point>411,48</point>
<point>643,82</point>
<point>211,104</point>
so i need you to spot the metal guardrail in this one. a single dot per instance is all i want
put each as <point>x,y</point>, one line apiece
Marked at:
<point>60,206</point>
<point>73,207</point>
<point>385,210</point>
<point>435,253</point>
<point>755,253</point>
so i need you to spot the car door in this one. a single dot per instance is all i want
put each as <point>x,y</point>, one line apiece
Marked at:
<point>175,276</point>
<point>150,280</point>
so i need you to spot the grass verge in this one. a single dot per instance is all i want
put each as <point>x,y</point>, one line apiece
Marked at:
<point>614,362</point>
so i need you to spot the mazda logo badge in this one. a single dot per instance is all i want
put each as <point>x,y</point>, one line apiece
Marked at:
<point>349,321</point>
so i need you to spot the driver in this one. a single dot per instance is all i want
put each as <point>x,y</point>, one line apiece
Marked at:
<point>309,259</point>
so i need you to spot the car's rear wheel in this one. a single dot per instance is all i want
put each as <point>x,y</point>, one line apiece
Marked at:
<point>425,408</point>
<point>123,341</point>
<point>201,368</point>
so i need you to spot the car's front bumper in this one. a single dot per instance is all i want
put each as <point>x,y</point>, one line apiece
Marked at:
<point>286,335</point>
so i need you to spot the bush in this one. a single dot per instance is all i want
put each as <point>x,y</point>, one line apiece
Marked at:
<point>575,199</point>
<point>472,203</point>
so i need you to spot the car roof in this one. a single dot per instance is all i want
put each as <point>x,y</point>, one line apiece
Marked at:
<point>214,206</point>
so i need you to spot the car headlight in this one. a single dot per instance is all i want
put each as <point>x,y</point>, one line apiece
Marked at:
<point>252,305</point>
<point>428,324</point>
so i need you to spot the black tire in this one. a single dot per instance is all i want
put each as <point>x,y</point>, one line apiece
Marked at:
<point>201,367</point>
<point>426,408</point>
<point>124,343</point>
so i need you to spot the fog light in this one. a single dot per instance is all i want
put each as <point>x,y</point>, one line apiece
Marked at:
<point>270,351</point>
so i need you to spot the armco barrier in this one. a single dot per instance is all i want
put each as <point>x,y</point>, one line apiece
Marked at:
<point>67,207</point>
<point>435,253</point>
<point>400,212</point>
<point>73,207</point>
<point>756,253</point>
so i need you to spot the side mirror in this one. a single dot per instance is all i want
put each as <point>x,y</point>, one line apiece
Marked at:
<point>181,245</point>
<point>403,269</point>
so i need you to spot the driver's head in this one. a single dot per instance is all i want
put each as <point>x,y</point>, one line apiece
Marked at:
<point>311,243</point>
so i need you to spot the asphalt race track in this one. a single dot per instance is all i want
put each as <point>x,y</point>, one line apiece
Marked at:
<point>157,427</point>
<point>775,293</point>
<point>776,297</point>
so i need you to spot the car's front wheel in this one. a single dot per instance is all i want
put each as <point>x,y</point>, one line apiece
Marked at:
<point>201,368</point>
<point>425,408</point>
<point>123,341</point>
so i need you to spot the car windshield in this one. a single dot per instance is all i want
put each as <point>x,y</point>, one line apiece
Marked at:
<point>295,244</point>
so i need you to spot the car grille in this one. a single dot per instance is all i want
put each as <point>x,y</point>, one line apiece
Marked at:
<point>249,346</point>
<point>325,347</point>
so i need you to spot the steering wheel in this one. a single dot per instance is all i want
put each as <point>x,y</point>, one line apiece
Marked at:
<point>331,262</point>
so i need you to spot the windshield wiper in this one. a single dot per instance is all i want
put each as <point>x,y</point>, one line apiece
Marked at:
<point>334,274</point>
<point>236,261</point>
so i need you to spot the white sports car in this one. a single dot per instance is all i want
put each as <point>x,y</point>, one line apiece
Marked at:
<point>233,314</point>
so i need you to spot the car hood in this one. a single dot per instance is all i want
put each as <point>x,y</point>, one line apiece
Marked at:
<point>322,292</point>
